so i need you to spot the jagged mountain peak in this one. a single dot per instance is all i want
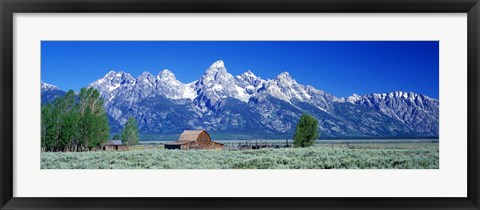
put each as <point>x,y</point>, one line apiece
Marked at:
<point>284,74</point>
<point>249,82</point>
<point>249,73</point>
<point>49,92</point>
<point>248,76</point>
<point>353,98</point>
<point>117,78</point>
<point>216,68</point>
<point>113,73</point>
<point>110,73</point>
<point>216,72</point>
<point>112,81</point>
<point>146,77</point>
<point>217,64</point>
<point>285,78</point>
<point>45,86</point>
<point>166,74</point>
<point>217,84</point>
<point>146,74</point>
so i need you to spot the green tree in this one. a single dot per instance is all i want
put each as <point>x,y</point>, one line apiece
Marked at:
<point>130,132</point>
<point>306,132</point>
<point>48,129</point>
<point>71,124</point>
<point>68,121</point>
<point>93,120</point>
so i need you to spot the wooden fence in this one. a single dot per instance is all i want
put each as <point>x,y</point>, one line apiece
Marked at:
<point>256,144</point>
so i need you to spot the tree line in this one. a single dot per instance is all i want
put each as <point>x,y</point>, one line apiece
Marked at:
<point>81,124</point>
<point>74,124</point>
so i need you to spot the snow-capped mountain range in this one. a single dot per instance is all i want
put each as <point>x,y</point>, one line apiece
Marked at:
<point>49,92</point>
<point>249,106</point>
<point>47,87</point>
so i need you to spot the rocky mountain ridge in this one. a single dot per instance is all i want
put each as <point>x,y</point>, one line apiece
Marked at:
<point>253,107</point>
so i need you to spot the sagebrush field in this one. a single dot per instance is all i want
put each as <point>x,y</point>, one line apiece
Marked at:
<point>320,156</point>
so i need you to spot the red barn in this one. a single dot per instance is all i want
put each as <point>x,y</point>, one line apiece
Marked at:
<point>194,139</point>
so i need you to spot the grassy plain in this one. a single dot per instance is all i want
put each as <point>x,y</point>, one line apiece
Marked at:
<point>413,155</point>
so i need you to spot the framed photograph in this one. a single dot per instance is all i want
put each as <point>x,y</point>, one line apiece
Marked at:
<point>239,105</point>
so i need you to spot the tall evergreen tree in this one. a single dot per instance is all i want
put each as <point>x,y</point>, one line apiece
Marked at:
<point>130,132</point>
<point>306,132</point>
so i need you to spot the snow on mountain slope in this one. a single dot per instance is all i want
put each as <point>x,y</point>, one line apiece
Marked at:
<point>49,92</point>
<point>414,109</point>
<point>216,84</point>
<point>246,103</point>
<point>47,87</point>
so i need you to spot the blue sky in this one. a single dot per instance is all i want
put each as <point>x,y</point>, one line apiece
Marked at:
<point>338,67</point>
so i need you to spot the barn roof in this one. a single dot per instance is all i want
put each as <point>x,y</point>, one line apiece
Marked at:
<point>113,142</point>
<point>191,135</point>
<point>200,138</point>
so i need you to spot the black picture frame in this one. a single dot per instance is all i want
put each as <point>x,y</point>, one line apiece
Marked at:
<point>9,7</point>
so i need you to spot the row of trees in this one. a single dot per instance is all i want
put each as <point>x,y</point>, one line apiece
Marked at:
<point>74,124</point>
